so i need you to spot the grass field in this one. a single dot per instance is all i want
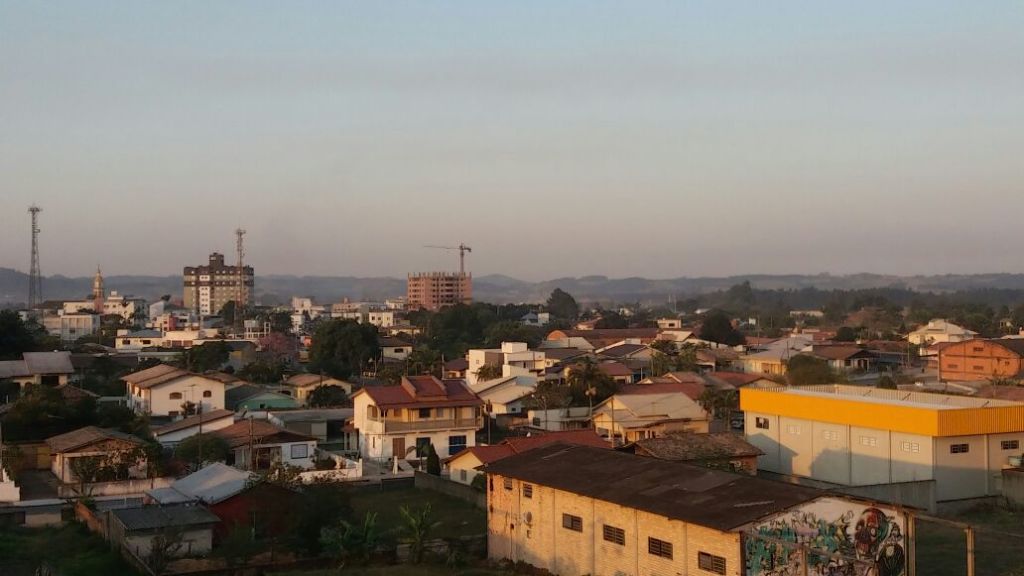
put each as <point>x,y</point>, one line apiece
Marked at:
<point>999,542</point>
<point>454,517</point>
<point>70,549</point>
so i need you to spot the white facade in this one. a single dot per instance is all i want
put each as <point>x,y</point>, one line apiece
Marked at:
<point>75,326</point>
<point>299,454</point>
<point>405,429</point>
<point>166,399</point>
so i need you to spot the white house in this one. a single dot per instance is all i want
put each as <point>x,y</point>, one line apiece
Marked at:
<point>257,444</point>
<point>506,395</point>
<point>130,342</point>
<point>394,348</point>
<point>516,355</point>
<point>162,391</point>
<point>939,331</point>
<point>422,410</point>
<point>48,368</point>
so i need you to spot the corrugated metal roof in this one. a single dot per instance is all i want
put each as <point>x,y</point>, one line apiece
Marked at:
<point>692,494</point>
<point>214,483</point>
<point>156,517</point>
<point>49,362</point>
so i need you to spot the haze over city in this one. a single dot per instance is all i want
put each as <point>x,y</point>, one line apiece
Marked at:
<point>656,140</point>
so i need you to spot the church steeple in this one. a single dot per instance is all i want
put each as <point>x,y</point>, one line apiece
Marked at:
<point>98,293</point>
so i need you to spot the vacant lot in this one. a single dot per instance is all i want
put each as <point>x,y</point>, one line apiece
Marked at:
<point>454,517</point>
<point>999,538</point>
<point>70,550</point>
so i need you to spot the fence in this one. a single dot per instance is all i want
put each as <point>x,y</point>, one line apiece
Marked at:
<point>454,489</point>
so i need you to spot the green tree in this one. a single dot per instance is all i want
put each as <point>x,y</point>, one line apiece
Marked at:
<point>611,319</point>
<point>238,547</point>
<point>351,542</point>
<point>318,505</point>
<point>227,312</point>
<point>417,526</point>
<point>201,449</point>
<point>846,334</point>
<point>207,356</point>
<point>512,331</point>
<point>667,357</point>
<point>342,347</point>
<point>719,403</point>
<point>562,305</point>
<point>433,461</point>
<point>489,372</point>
<point>802,370</point>
<point>717,327</point>
<point>16,337</point>
<point>586,376</point>
<point>326,396</point>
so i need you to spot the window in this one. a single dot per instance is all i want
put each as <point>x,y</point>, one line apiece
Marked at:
<point>910,447</point>
<point>1010,444</point>
<point>508,483</point>
<point>175,395</point>
<point>462,475</point>
<point>614,535</point>
<point>977,367</point>
<point>793,429</point>
<point>711,563</point>
<point>830,435</point>
<point>207,394</point>
<point>456,444</point>
<point>959,448</point>
<point>422,447</point>
<point>424,412</point>
<point>528,491</point>
<point>570,522</point>
<point>761,423</point>
<point>979,349</point>
<point>661,548</point>
<point>868,441</point>
<point>300,451</point>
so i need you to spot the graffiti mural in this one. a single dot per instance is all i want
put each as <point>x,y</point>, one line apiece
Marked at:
<point>842,538</point>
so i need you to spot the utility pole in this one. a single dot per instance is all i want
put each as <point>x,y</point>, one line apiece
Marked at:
<point>35,278</point>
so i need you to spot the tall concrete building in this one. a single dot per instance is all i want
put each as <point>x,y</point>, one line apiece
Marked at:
<point>435,290</point>
<point>208,288</point>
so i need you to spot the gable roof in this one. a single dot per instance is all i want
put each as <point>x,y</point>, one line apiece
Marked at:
<point>48,362</point>
<point>422,392</point>
<point>191,421</point>
<point>662,385</point>
<point>622,350</point>
<point>738,379</point>
<point>82,437</point>
<point>302,380</point>
<point>260,432</point>
<point>392,342</point>
<point>238,394</point>
<point>615,369</point>
<point>519,444</point>
<point>839,352</point>
<point>693,494</point>
<point>155,376</point>
<point>456,365</point>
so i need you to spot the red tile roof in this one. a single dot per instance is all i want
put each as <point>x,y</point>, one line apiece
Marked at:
<point>737,379</point>
<point>260,432</point>
<point>615,369</point>
<point>520,444</point>
<point>422,392</point>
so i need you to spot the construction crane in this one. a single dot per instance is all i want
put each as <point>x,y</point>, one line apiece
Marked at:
<point>462,248</point>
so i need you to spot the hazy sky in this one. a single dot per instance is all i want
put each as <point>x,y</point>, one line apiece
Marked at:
<point>563,138</point>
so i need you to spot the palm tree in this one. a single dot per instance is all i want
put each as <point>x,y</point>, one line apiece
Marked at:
<point>417,526</point>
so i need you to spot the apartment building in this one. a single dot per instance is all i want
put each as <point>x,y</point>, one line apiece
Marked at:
<point>208,288</point>
<point>435,290</point>
<point>582,510</point>
<point>858,436</point>
<point>402,420</point>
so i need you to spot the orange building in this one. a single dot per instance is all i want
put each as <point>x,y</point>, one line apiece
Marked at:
<point>981,359</point>
<point>435,290</point>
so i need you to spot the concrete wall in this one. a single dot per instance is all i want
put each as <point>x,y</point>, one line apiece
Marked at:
<point>874,535</point>
<point>446,486</point>
<point>531,530</point>
<point>913,494</point>
<point>118,488</point>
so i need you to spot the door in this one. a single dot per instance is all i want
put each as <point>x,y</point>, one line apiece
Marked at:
<point>398,447</point>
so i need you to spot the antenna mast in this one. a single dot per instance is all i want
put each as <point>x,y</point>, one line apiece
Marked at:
<point>35,278</point>
<point>241,300</point>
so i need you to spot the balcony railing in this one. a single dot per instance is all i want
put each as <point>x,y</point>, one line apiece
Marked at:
<point>390,425</point>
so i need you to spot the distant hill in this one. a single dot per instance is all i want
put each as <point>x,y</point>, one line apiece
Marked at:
<point>272,289</point>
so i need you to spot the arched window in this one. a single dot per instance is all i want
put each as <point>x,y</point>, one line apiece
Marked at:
<point>175,395</point>
<point>207,394</point>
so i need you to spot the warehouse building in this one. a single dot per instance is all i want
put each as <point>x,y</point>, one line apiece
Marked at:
<point>859,436</point>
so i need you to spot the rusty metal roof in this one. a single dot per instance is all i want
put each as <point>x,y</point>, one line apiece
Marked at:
<point>692,494</point>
